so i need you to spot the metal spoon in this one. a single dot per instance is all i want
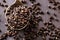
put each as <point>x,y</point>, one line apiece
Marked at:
<point>15,4</point>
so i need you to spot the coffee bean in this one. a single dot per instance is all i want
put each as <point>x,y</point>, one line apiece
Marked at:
<point>4,1</point>
<point>4,36</point>
<point>50,2</point>
<point>41,13</point>
<point>57,20</point>
<point>54,8</point>
<point>2,5</point>
<point>58,7</point>
<point>49,7</point>
<point>24,2</point>
<point>7,14</point>
<point>51,39</point>
<point>55,15</point>
<point>6,5</point>
<point>45,23</point>
<point>51,18</point>
<point>0,30</point>
<point>55,4</point>
<point>6,24</point>
<point>48,12</point>
<point>38,4</point>
<point>32,1</point>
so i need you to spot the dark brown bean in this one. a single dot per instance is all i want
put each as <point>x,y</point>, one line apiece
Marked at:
<point>55,15</point>
<point>57,20</point>
<point>45,23</point>
<point>41,12</point>
<point>55,4</point>
<point>4,1</point>
<point>49,7</point>
<point>48,12</point>
<point>24,2</point>
<point>32,1</point>
<point>6,24</point>
<point>59,7</point>
<point>38,4</point>
<point>54,8</point>
<point>2,5</point>
<point>0,30</point>
<point>6,5</point>
<point>51,18</point>
<point>50,1</point>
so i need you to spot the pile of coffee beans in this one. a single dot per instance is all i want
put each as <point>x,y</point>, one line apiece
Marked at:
<point>26,18</point>
<point>56,5</point>
<point>19,17</point>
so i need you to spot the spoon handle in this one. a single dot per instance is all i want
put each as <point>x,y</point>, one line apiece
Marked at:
<point>18,2</point>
